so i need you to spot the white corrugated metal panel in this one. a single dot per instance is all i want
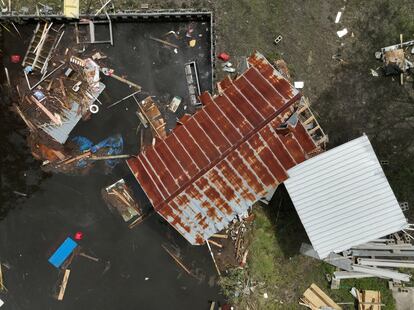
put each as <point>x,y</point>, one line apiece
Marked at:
<point>343,198</point>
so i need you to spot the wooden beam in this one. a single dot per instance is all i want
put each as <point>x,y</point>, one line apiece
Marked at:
<point>164,42</point>
<point>63,285</point>
<point>177,260</point>
<point>215,243</point>
<point>220,236</point>
<point>52,117</point>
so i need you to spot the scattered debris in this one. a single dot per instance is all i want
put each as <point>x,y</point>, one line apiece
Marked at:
<point>223,56</point>
<point>78,235</point>
<point>20,193</point>
<point>315,299</point>
<point>342,32</point>
<point>338,17</point>
<point>299,84</point>
<point>152,114</point>
<point>174,104</point>
<point>191,75</point>
<point>229,69</point>
<point>374,73</point>
<point>192,43</point>
<point>396,58</point>
<point>119,197</point>
<point>278,39</point>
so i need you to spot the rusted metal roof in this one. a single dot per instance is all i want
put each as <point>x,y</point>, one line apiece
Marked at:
<point>226,156</point>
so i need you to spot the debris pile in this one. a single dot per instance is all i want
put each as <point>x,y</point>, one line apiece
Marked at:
<point>119,197</point>
<point>397,59</point>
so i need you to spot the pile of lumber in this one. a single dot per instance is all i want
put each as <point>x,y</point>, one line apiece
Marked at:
<point>315,299</point>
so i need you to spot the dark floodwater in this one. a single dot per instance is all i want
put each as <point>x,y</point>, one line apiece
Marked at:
<point>58,205</point>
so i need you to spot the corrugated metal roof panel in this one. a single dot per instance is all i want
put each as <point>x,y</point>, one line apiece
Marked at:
<point>343,198</point>
<point>231,154</point>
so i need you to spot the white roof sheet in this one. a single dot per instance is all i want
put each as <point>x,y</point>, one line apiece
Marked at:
<point>343,198</point>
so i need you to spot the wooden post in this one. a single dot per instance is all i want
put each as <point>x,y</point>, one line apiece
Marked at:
<point>177,260</point>
<point>215,243</point>
<point>214,260</point>
<point>2,287</point>
<point>164,42</point>
<point>220,236</point>
<point>63,285</point>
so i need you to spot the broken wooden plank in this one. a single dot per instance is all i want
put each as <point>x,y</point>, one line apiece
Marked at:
<point>214,260</point>
<point>220,236</point>
<point>317,299</point>
<point>89,257</point>
<point>63,285</point>
<point>163,42</point>
<point>177,260</point>
<point>27,122</point>
<point>54,118</point>
<point>215,243</point>
<point>2,287</point>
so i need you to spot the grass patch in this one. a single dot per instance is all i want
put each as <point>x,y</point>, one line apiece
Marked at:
<point>275,266</point>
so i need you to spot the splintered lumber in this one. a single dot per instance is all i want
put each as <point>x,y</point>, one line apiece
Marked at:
<point>27,122</point>
<point>89,257</point>
<point>177,260</point>
<point>109,72</point>
<point>123,99</point>
<point>214,260</point>
<point>109,157</point>
<point>316,299</point>
<point>215,243</point>
<point>164,42</point>
<point>81,156</point>
<point>52,117</point>
<point>63,285</point>
<point>220,236</point>
<point>121,197</point>
<point>2,287</point>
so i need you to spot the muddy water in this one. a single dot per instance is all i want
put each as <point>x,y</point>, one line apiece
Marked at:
<point>133,272</point>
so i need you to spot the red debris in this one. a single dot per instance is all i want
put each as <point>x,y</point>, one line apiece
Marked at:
<point>15,58</point>
<point>79,235</point>
<point>224,56</point>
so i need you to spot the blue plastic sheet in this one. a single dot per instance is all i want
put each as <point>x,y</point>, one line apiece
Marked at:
<point>114,145</point>
<point>63,252</point>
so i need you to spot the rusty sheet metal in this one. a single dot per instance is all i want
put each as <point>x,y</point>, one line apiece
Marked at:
<point>154,117</point>
<point>227,156</point>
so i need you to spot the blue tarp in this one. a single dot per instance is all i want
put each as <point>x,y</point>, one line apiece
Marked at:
<point>114,144</point>
<point>63,252</point>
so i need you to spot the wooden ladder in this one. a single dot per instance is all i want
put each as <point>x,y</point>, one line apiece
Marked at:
<point>311,124</point>
<point>41,47</point>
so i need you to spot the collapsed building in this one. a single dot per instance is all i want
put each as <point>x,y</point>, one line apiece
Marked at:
<point>231,153</point>
<point>257,133</point>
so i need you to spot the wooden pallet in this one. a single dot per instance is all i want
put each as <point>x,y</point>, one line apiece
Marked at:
<point>316,299</point>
